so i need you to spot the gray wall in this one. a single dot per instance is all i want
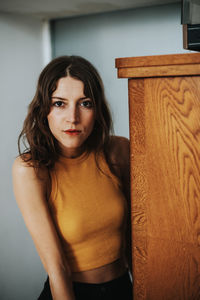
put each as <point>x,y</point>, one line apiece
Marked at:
<point>21,59</point>
<point>99,38</point>
<point>102,38</point>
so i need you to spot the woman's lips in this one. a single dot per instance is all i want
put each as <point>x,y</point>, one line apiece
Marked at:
<point>72,132</point>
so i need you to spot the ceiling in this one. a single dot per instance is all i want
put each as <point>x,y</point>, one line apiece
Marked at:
<point>51,9</point>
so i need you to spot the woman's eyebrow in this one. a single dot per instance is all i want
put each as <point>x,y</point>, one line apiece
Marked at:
<point>83,98</point>
<point>61,98</point>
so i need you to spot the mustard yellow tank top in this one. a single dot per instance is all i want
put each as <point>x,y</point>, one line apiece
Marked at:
<point>89,211</point>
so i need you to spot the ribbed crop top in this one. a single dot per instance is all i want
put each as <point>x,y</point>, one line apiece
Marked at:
<point>89,211</point>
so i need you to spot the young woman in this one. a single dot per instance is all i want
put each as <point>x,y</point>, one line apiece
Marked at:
<point>72,185</point>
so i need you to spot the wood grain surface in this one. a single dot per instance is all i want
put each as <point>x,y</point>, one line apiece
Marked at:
<point>165,187</point>
<point>139,192</point>
<point>158,60</point>
<point>155,71</point>
<point>158,65</point>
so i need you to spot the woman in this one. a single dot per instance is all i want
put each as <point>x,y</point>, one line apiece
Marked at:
<point>72,185</point>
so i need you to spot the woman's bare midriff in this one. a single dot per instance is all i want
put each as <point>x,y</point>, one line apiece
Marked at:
<point>102,274</point>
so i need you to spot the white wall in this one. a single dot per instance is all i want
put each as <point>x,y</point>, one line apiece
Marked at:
<point>102,38</point>
<point>21,60</point>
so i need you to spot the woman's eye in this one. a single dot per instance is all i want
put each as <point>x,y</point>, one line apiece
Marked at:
<point>87,104</point>
<point>58,103</point>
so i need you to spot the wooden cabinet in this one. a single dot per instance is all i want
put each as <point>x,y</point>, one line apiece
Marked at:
<point>164,102</point>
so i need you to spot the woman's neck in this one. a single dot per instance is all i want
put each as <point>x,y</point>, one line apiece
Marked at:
<point>73,153</point>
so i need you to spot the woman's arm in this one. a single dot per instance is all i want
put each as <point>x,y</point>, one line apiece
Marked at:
<point>30,193</point>
<point>125,175</point>
<point>121,156</point>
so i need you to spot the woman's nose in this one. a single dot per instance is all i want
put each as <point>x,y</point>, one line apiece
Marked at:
<point>72,114</point>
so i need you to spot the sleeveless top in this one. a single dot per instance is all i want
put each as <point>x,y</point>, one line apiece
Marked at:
<point>89,211</point>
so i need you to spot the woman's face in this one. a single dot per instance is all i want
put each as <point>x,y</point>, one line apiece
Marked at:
<point>71,117</point>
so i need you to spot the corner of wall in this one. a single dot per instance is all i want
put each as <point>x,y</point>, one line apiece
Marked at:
<point>46,42</point>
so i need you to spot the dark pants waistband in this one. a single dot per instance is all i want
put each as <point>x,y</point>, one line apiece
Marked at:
<point>106,283</point>
<point>120,288</point>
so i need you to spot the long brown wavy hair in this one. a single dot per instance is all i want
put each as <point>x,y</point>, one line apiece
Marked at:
<point>41,148</point>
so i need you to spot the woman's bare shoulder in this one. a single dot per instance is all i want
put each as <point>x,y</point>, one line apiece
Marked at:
<point>120,147</point>
<point>23,174</point>
<point>23,167</point>
<point>119,140</point>
<point>29,185</point>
